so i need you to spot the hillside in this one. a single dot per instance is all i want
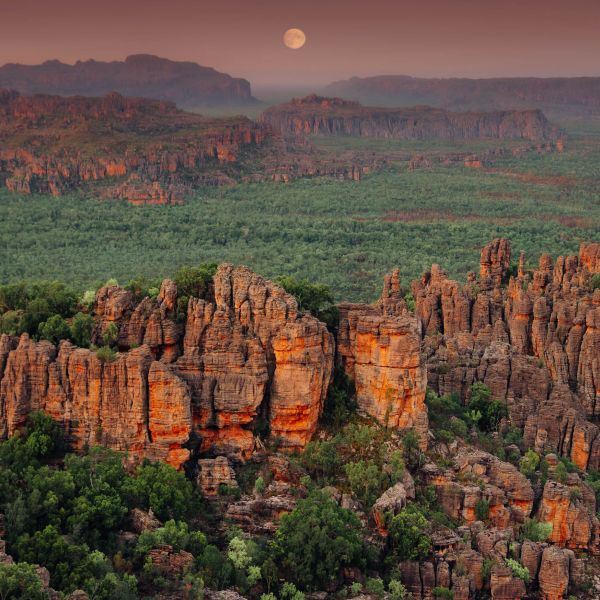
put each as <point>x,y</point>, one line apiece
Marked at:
<point>335,116</point>
<point>185,83</point>
<point>453,452</point>
<point>565,96</point>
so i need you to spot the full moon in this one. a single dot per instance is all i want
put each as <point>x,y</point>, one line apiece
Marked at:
<point>294,38</point>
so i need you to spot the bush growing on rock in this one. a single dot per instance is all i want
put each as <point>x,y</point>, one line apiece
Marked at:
<point>518,570</point>
<point>536,531</point>
<point>54,329</point>
<point>407,539</point>
<point>491,411</point>
<point>20,581</point>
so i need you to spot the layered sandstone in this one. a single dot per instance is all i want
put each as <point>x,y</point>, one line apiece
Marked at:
<point>574,96</point>
<point>244,353</point>
<point>334,116</point>
<point>151,150</point>
<point>379,349</point>
<point>534,342</point>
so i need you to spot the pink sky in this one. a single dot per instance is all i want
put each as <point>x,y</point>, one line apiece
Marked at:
<point>473,38</point>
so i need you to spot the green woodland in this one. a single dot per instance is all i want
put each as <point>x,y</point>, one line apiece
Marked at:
<point>343,234</point>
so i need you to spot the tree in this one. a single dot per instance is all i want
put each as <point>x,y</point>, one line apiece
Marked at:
<point>491,411</point>
<point>194,281</point>
<point>160,487</point>
<point>407,538</point>
<point>315,298</point>
<point>367,481</point>
<point>54,329</point>
<point>20,581</point>
<point>81,329</point>
<point>111,334</point>
<point>317,540</point>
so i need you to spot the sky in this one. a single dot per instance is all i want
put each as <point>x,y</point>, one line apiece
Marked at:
<point>428,38</point>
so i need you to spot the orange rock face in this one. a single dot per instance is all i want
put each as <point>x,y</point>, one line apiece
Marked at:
<point>134,404</point>
<point>379,348</point>
<point>245,353</point>
<point>574,522</point>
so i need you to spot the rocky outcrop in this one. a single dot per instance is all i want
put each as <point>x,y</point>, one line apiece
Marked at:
<point>144,75</point>
<point>379,349</point>
<point>214,473</point>
<point>245,353</point>
<point>478,477</point>
<point>152,151</point>
<point>533,342</point>
<point>334,116</point>
<point>572,511</point>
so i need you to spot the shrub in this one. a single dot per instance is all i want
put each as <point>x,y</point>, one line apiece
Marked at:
<point>595,282</point>
<point>366,480</point>
<point>259,485</point>
<point>290,592</point>
<point>81,329</point>
<point>375,587</point>
<point>445,436</point>
<point>20,581</point>
<point>482,509</point>
<point>536,531</point>
<point>486,569</point>
<point>106,354</point>
<point>560,473</point>
<point>529,463</point>
<point>397,590</point>
<point>316,298</point>
<point>110,334</point>
<point>443,593</point>
<point>54,329</point>
<point>492,411</point>
<point>518,570</point>
<point>194,281</point>
<point>356,589</point>
<point>88,299</point>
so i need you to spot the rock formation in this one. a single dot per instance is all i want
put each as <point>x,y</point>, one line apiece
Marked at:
<point>534,343</point>
<point>244,353</point>
<point>185,83</point>
<point>379,349</point>
<point>149,147</point>
<point>334,116</point>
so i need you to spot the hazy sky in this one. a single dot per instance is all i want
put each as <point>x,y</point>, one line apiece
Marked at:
<point>474,38</point>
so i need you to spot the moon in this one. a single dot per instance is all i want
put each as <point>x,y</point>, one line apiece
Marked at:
<point>294,38</point>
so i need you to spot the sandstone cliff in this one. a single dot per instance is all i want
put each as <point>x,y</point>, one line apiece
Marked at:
<point>379,349</point>
<point>243,353</point>
<point>54,145</point>
<point>334,116</point>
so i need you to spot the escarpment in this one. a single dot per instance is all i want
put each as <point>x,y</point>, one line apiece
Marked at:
<point>198,382</point>
<point>205,376</point>
<point>533,341</point>
<point>379,349</point>
<point>334,116</point>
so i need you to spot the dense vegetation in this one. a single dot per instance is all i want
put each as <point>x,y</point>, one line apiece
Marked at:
<point>344,234</point>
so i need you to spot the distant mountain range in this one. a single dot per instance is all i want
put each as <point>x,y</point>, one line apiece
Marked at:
<point>577,95</point>
<point>335,116</point>
<point>185,83</point>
